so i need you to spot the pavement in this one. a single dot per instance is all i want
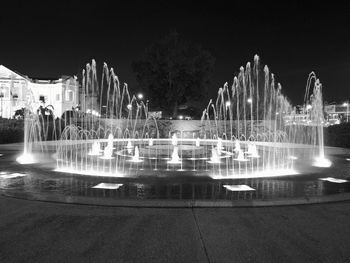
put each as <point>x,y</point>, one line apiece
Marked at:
<point>35,231</point>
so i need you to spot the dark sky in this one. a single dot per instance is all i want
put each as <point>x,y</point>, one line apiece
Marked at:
<point>56,38</point>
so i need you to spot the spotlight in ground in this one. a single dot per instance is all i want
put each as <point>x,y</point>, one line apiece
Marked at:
<point>13,175</point>
<point>334,180</point>
<point>238,188</point>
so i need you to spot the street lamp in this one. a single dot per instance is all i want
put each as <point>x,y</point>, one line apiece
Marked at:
<point>250,101</point>
<point>140,96</point>
<point>346,104</point>
<point>147,108</point>
<point>1,96</point>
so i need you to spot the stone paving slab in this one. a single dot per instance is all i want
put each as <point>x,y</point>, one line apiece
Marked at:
<point>32,231</point>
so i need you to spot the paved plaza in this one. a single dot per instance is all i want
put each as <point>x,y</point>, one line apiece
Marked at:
<point>34,231</point>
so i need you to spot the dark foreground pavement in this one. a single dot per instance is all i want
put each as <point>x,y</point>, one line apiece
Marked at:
<point>33,231</point>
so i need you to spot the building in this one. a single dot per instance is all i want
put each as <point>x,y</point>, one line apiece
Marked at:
<point>337,113</point>
<point>19,91</point>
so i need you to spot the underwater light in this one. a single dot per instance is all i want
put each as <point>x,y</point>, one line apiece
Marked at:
<point>322,162</point>
<point>26,158</point>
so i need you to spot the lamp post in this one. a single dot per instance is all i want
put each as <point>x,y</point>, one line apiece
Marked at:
<point>147,108</point>
<point>228,105</point>
<point>346,104</point>
<point>1,96</point>
<point>250,101</point>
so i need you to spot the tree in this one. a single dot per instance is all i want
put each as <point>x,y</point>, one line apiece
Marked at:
<point>174,72</point>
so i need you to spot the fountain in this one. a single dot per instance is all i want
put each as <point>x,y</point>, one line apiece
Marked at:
<point>107,153</point>
<point>240,157</point>
<point>174,139</point>
<point>249,130</point>
<point>219,146</point>
<point>95,149</point>
<point>214,156</point>
<point>129,145</point>
<point>237,146</point>
<point>136,157</point>
<point>175,159</point>
<point>252,151</point>
<point>110,141</point>
<point>198,142</point>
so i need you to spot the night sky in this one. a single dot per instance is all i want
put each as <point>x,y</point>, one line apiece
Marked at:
<point>59,38</point>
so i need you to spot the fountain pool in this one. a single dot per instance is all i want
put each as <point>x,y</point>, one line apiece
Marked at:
<point>248,139</point>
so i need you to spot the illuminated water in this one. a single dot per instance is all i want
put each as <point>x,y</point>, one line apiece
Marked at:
<point>250,132</point>
<point>39,182</point>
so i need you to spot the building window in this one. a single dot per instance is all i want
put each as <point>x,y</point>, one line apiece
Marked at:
<point>57,97</point>
<point>4,92</point>
<point>42,98</point>
<point>69,95</point>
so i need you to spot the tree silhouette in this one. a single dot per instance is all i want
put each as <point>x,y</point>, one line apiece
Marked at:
<point>174,72</point>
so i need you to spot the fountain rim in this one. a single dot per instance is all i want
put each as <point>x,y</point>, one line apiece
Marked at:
<point>146,140</point>
<point>159,203</point>
<point>341,197</point>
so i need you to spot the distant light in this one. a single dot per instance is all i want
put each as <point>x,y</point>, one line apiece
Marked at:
<point>181,117</point>
<point>95,113</point>
<point>228,104</point>
<point>140,96</point>
<point>345,104</point>
<point>249,100</point>
<point>129,106</point>
<point>308,107</point>
<point>277,113</point>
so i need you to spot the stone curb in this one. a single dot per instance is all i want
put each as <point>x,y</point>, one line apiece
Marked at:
<point>78,200</point>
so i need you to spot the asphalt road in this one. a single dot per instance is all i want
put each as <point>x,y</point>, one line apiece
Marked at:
<point>32,231</point>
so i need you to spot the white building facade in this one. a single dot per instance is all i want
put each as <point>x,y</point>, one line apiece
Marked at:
<point>18,91</point>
